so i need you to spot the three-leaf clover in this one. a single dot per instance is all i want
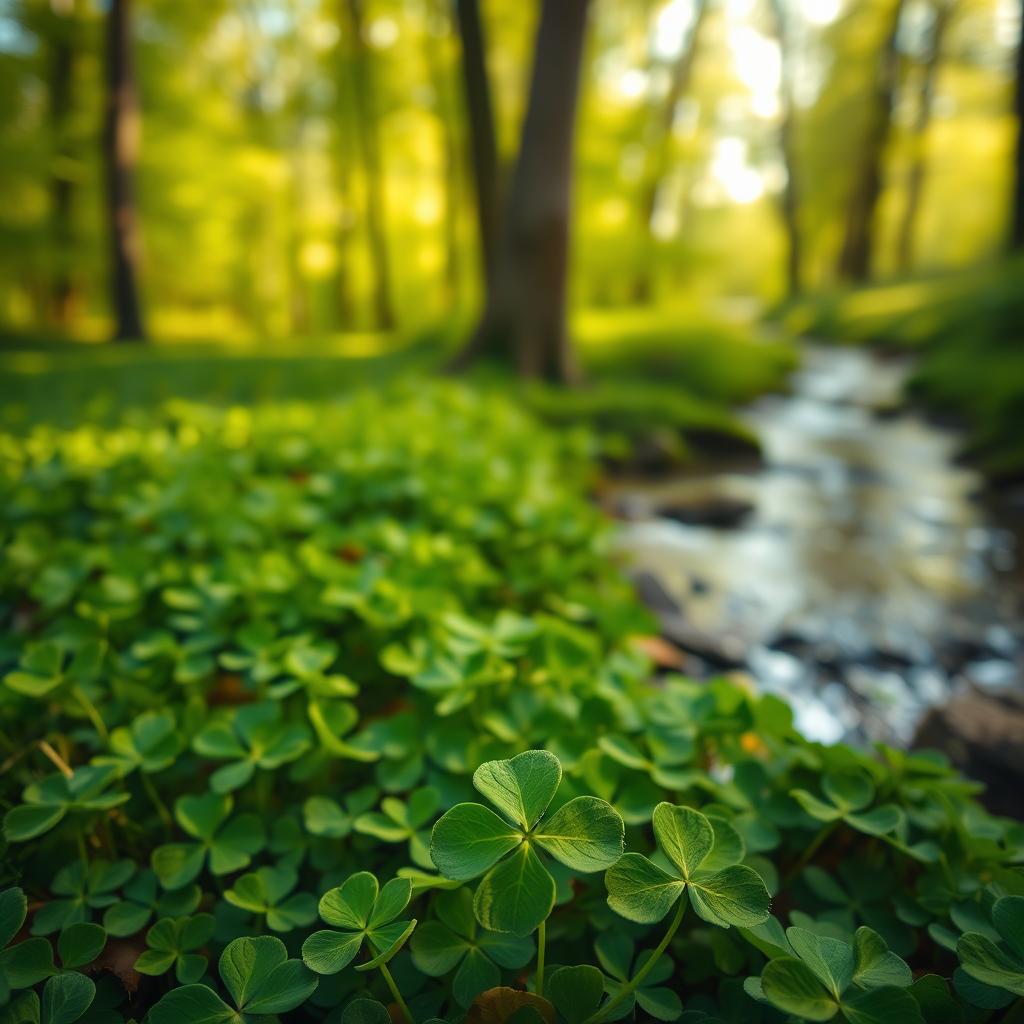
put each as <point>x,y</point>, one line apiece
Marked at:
<point>325,817</point>
<point>24,963</point>
<point>848,794</point>
<point>142,899</point>
<point>266,891</point>
<point>990,963</point>
<point>150,744</point>
<point>254,738</point>
<point>82,888</point>
<point>864,982</point>
<point>615,953</point>
<point>172,943</point>
<point>364,912</point>
<point>455,940</point>
<point>517,891</point>
<point>702,857</point>
<point>48,801</point>
<point>230,847</point>
<point>259,977</point>
<point>400,821</point>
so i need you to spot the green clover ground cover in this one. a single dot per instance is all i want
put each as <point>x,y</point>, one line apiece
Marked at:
<point>333,713</point>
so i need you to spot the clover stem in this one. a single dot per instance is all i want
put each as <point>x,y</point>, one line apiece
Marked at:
<point>812,848</point>
<point>406,1013</point>
<point>154,797</point>
<point>542,938</point>
<point>634,983</point>
<point>90,710</point>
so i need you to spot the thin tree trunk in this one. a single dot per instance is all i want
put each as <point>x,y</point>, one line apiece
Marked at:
<point>62,287</point>
<point>524,321</point>
<point>1017,229</point>
<point>661,140</point>
<point>790,201</point>
<point>942,11</point>
<point>369,138</point>
<point>439,70</point>
<point>121,140</point>
<point>482,136</point>
<point>858,244</point>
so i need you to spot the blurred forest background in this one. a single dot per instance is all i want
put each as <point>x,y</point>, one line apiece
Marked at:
<point>298,168</point>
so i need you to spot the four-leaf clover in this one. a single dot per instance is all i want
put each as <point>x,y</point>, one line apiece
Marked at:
<point>703,860</point>
<point>364,912</point>
<point>517,892</point>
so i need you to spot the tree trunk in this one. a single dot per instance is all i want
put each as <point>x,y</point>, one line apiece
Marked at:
<point>121,141</point>
<point>790,201</point>
<point>1017,229</point>
<point>661,140</point>
<point>482,136</point>
<point>62,286</point>
<point>524,321</point>
<point>439,69</point>
<point>942,10</point>
<point>369,139</point>
<point>858,244</point>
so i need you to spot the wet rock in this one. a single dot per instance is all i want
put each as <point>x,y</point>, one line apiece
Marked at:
<point>718,512</point>
<point>993,673</point>
<point>983,735</point>
<point>722,650</point>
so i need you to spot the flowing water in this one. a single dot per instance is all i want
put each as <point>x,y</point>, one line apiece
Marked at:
<point>864,579</point>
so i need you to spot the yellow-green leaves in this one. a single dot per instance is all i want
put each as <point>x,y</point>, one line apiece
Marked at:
<point>517,894</point>
<point>723,894</point>
<point>362,911</point>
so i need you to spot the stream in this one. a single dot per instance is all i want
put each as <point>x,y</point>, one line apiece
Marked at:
<point>855,571</point>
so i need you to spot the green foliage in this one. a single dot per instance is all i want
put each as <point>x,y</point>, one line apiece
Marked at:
<point>312,636</point>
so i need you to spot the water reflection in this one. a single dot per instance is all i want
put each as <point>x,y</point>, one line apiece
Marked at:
<point>863,578</point>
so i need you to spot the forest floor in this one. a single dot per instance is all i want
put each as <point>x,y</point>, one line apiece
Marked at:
<point>660,387</point>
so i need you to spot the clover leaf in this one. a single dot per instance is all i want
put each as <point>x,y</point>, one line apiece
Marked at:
<point>172,943</point>
<point>847,795</point>
<point>615,954</point>
<point>82,888</point>
<point>517,891</point>
<point>259,977</point>
<point>142,899</point>
<point>455,940</point>
<point>229,846</point>
<point>308,664</point>
<point>998,964</point>
<point>363,912</point>
<point>325,817</point>
<point>66,997</point>
<point>266,891</point>
<point>24,963</point>
<point>863,982</point>
<point>576,992</point>
<point>254,738</point>
<point>150,744</point>
<point>400,821</point>
<point>48,801</point>
<point>664,770</point>
<point>702,860</point>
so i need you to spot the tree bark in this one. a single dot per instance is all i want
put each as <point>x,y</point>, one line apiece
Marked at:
<point>121,141</point>
<point>482,136</point>
<point>661,142</point>
<point>858,245</point>
<point>790,200</point>
<point>524,320</point>
<point>942,11</point>
<point>1017,227</point>
<point>367,127</point>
